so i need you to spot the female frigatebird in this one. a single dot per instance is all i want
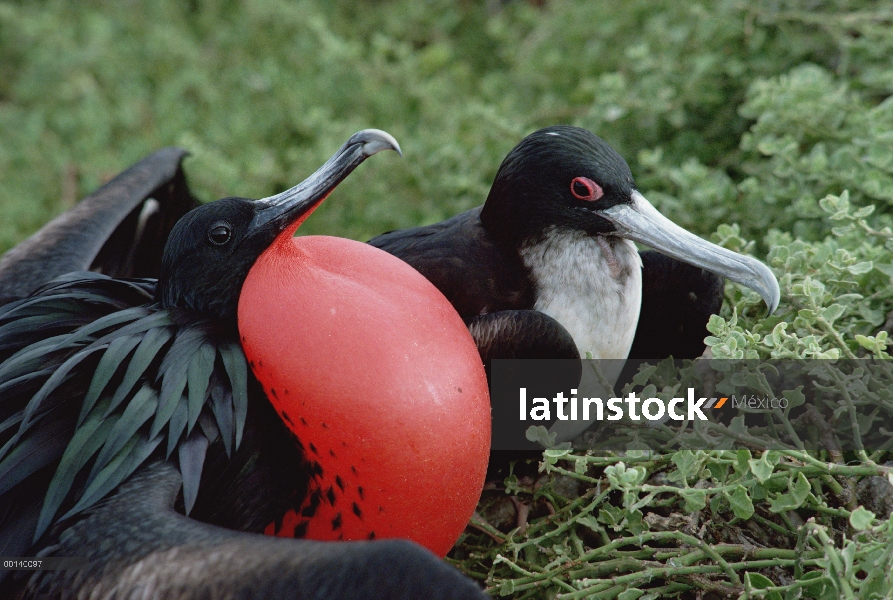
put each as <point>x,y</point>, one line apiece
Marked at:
<point>547,267</point>
<point>127,404</point>
<point>556,235</point>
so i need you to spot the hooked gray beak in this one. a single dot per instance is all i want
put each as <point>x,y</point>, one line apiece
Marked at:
<point>641,222</point>
<point>286,207</point>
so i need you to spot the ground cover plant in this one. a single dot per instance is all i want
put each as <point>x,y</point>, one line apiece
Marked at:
<point>766,126</point>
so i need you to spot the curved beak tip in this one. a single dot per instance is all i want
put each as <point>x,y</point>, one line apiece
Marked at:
<point>374,141</point>
<point>773,295</point>
<point>641,222</point>
<point>761,280</point>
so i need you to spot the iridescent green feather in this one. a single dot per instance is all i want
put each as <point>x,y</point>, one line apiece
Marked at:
<point>93,359</point>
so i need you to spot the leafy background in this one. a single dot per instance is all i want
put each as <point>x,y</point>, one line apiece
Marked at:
<point>766,126</point>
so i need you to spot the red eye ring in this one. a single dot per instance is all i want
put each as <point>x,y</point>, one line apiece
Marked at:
<point>586,189</point>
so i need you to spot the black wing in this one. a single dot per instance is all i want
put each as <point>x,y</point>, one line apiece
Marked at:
<point>677,301</point>
<point>459,258</point>
<point>94,381</point>
<point>119,230</point>
<point>139,545</point>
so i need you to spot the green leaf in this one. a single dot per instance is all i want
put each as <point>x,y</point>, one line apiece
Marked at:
<point>689,463</point>
<point>794,397</point>
<point>740,502</point>
<point>742,460</point>
<point>695,499</point>
<point>798,491</point>
<point>540,435</point>
<point>761,468</point>
<point>821,586</point>
<point>553,454</point>
<point>761,582</point>
<point>861,518</point>
<point>619,476</point>
<point>590,522</point>
<point>757,581</point>
<point>861,268</point>
<point>612,516</point>
<point>832,313</point>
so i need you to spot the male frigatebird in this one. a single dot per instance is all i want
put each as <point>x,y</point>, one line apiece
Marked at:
<point>547,267</point>
<point>127,404</point>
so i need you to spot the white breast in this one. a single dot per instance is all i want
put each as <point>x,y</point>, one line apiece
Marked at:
<point>592,286</point>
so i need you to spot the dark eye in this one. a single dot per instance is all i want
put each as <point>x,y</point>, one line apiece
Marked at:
<point>220,233</point>
<point>586,189</point>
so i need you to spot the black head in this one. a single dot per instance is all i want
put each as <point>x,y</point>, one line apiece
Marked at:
<point>566,179</point>
<point>208,255</point>
<point>560,176</point>
<point>211,249</point>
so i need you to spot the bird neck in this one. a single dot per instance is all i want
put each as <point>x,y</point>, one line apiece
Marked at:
<point>592,285</point>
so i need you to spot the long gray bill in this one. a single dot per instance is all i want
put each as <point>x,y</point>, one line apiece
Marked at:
<point>286,206</point>
<point>641,222</point>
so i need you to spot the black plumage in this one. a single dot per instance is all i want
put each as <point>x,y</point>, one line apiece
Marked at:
<point>119,230</point>
<point>131,429</point>
<point>556,217</point>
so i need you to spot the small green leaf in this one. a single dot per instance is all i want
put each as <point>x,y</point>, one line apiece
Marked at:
<point>860,268</point>
<point>695,500</point>
<point>794,397</point>
<point>740,502</point>
<point>832,313</point>
<point>689,463</point>
<point>761,468</point>
<point>861,518</point>
<point>798,491</point>
<point>757,581</point>
<point>760,582</point>
<point>799,488</point>
<point>540,435</point>
<point>590,522</point>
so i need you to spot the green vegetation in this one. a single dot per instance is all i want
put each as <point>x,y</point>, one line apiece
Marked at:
<point>765,125</point>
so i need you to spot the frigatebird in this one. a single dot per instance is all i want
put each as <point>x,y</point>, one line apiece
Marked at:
<point>548,268</point>
<point>555,236</point>
<point>127,404</point>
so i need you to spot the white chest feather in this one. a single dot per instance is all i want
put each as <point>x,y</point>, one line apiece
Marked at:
<point>592,286</point>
